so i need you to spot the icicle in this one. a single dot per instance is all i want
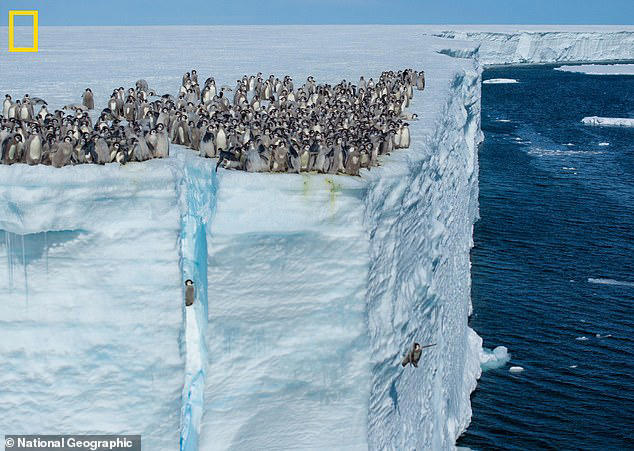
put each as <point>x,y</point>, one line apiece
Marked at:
<point>26,285</point>
<point>46,252</point>
<point>7,240</point>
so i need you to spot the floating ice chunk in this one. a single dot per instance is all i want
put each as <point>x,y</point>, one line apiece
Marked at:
<point>503,120</point>
<point>608,121</point>
<point>516,369</point>
<point>572,366</point>
<point>604,144</point>
<point>569,144</point>
<point>494,359</point>
<point>611,282</point>
<point>500,81</point>
<point>603,336</point>
<point>581,338</point>
<point>600,69</point>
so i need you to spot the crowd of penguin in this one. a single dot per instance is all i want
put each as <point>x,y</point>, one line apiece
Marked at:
<point>262,125</point>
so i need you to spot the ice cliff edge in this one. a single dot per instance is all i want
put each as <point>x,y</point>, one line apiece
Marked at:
<point>316,285</point>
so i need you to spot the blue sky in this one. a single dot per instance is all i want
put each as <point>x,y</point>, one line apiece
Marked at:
<point>167,12</point>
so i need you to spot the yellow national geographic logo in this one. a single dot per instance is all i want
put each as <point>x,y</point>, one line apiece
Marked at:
<point>12,47</point>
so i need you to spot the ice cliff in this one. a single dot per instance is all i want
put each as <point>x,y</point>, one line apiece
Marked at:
<point>533,44</point>
<point>309,287</point>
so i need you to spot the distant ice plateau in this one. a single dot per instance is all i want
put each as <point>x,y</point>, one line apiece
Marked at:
<point>534,44</point>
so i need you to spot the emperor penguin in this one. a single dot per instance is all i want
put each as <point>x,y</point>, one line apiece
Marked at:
<point>189,293</point>
<point>102,151</point>
<point>141,85</point>
<point>33,148</point>
<point>12,149</point>
<point>221,139</point>
<point>88,100</point>
<point>130,109</point>
<point>162,148</point>
<point>353,162</point>
<point>62,155</point>
<point>180,132</point>
<point>293,161</point>
<point>113,106</point>
<point>41,115</point>
<point>195,136</point>
<point>320,160</point>
<point>6,105</point>
<point>413,356</point>
<point>25,111</point>
<point>253,161</point>
<point>140,150</point>
<point>278,161</point>
<point>207,147</point>
<point>420,80</point>
<point>405,138</point>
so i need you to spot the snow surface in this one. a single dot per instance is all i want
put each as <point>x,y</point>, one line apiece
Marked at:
<point>309,288</point>
<point>608,121</point>
<point>600,69</point>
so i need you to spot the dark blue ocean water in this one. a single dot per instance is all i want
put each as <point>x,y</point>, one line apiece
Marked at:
<point>553,263</point>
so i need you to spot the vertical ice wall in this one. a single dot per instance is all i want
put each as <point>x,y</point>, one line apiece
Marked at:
<point>317,285</point>
<point>420,213</point>
<point>288,364</point>
<point>197,197</point>
<point>90,302</point>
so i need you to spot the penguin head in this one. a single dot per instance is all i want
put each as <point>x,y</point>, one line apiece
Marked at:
<point>189,282</point>
<point>416,346</point>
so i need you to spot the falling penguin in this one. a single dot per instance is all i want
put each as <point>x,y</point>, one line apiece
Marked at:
<point>189,292</point>
<point>413,356</point>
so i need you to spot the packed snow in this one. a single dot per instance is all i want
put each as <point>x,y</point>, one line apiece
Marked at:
<point>608,121</point>
<point>499,81</point>
<point>600,69</point>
